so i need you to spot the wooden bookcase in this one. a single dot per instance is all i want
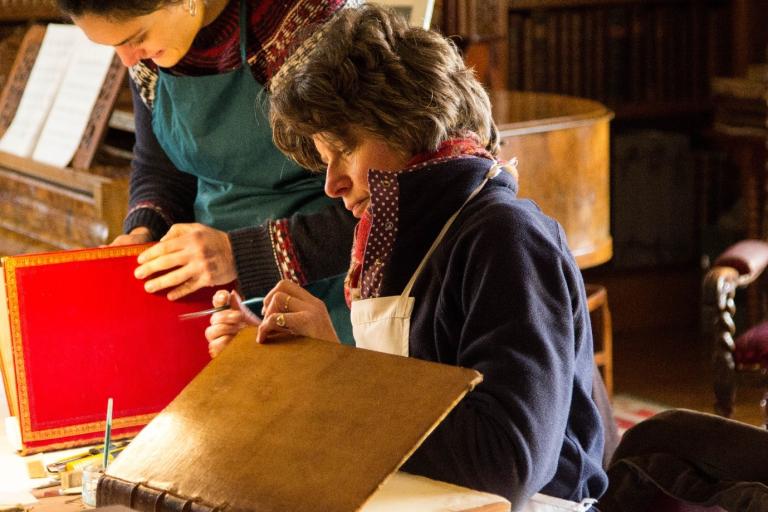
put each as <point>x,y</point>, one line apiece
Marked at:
<point>643,59</point>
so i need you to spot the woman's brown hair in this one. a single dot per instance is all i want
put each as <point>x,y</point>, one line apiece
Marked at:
<point>373,72</point>
<point>114,9</point>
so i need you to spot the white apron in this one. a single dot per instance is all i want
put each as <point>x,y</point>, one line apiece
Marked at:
<point>384,323</point>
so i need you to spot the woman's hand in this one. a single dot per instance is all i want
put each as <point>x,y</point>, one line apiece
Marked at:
<point>140,235</point>
<point>226,324</point>
<point>290,309</point>
<point>194,256</point>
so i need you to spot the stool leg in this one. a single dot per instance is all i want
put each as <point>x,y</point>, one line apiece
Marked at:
<point>602,333</point>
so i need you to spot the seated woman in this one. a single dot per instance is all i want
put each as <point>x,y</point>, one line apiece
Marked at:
<point>448,265</point>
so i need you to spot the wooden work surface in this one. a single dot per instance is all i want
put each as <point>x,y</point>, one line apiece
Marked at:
<point>562,147</point>
<point>393,495</point>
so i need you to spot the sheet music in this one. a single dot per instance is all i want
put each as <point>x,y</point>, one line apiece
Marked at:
<point>74,103</point>
<point>43,83</point>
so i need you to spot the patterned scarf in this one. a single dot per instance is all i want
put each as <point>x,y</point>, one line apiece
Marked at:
<point>467,145</point>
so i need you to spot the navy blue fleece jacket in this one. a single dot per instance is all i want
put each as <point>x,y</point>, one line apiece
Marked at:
<point>501,294</point>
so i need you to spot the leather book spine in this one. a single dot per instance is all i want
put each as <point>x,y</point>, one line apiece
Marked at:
<point>140,497</point>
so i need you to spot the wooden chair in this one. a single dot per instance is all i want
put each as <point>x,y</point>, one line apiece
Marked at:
<point>738,358</point>
<point>741,358</point>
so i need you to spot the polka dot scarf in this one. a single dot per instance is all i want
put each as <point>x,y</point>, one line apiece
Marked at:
<point>376,232</point>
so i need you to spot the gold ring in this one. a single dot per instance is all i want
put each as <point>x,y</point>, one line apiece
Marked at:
<point>287,301</point>
<point>280,320</point>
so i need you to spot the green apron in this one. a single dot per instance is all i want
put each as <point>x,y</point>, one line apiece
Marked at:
<point>215,128</point>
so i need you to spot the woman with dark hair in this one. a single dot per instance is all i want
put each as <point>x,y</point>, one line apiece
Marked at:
<point>207,181</point>
<point>448,265</point>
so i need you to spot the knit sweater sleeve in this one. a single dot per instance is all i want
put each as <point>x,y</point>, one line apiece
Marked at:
<point>302,248</point>
<point>160,194</point>
<point>523,326</point>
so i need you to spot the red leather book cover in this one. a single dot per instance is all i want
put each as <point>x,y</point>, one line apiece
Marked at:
<point>81,329</point>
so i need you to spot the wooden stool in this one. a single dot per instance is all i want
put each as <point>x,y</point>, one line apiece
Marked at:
<point>602,334</point>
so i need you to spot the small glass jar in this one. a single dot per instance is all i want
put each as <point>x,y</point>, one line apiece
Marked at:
<point>91,475</point>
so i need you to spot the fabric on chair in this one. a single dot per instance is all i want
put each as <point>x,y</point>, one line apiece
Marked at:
<point>747,257</point>
<point>705,462</point>
<point>752,346</point>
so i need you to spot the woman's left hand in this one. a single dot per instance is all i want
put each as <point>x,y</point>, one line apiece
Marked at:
<point>194,255</point>
<point>227,323</point>
<point>290,309</point>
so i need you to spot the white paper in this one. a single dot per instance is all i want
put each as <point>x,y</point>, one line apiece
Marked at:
<point>43,83</point>
<point>74,103</point>
<point>15,484</point>
<point>404,492</point>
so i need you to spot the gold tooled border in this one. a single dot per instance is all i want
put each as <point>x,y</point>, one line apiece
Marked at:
<point>10,264</point>
<point>73,443</point>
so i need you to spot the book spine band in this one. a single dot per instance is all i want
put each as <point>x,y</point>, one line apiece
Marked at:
<point>114,491</point>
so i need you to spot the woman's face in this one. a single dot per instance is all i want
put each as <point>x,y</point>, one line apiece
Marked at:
<point>347,169</point>
<point>164,36</point>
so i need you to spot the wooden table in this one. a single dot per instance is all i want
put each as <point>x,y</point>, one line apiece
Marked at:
<point>562,147</point>
<point>401,492</point>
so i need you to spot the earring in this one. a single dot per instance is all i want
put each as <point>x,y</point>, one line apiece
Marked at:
<point>192,7</point>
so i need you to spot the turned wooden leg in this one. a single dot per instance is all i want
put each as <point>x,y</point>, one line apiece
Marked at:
<point>724,386</point>
<point>719,308</point>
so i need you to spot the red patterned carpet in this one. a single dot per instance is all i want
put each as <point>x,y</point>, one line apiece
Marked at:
<point>628,410</point>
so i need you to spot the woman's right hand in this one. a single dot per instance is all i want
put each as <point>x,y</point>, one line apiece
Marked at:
<point>289,309</point>
<point>226,324</point>
<point>139,235</point>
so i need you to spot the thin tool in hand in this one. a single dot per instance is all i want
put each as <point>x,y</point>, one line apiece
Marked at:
<point>255,301</point>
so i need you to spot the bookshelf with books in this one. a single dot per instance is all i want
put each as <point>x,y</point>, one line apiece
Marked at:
<point>643,59</point>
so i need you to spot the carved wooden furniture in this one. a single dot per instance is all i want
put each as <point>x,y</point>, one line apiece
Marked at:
<point>14,16</point>
<point>739,129</point>
<point>562,148</point>
<point>742,359</point>
<point>47,208</point>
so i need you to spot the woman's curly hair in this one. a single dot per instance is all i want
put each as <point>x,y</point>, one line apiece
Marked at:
<point>374,73</point>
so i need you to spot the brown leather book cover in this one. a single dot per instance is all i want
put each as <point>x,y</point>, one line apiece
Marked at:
<point>299,425</point>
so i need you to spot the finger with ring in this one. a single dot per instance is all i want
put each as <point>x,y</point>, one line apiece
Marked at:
<point>287,301</point>
<point>280,320</point>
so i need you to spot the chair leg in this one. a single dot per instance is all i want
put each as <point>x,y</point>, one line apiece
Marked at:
<point>718,310</point>
<point>724,385</point>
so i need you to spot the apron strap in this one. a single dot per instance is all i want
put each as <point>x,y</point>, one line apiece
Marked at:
<point>492,173</point>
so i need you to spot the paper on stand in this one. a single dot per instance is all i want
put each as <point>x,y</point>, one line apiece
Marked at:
<point>74,103</point>
<point>43,83</point>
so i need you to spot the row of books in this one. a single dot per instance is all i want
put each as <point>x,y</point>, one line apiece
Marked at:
<point>741,102</point>
<point>644,52</point>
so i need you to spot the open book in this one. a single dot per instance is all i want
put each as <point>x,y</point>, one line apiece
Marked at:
<point>76,328</point>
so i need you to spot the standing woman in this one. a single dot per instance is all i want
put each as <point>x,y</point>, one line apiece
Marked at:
<point>206,179</point>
